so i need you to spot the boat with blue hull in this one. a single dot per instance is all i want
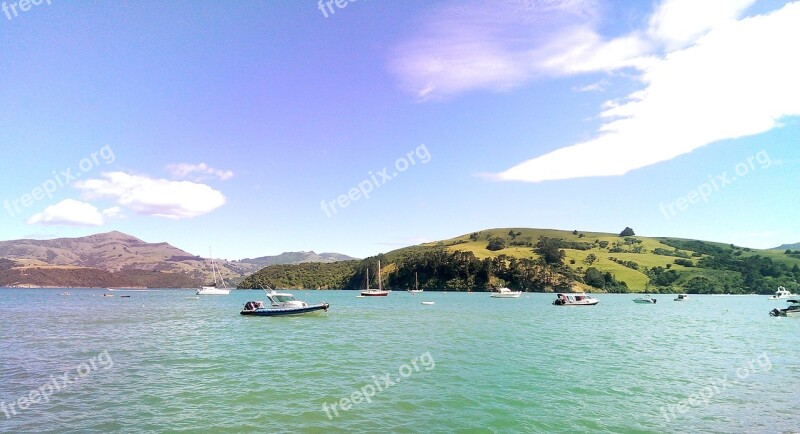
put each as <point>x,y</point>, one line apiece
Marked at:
<point>282,304</point>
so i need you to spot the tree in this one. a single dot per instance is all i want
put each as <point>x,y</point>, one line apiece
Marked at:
<point>627,232</point>
<point>590,258</point>
<point>548,249</point>
<point>496,243</point>
<point>575,232</point>
<point>594,277</point>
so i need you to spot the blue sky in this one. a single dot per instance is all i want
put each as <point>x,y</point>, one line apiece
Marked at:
<point>261,127</point>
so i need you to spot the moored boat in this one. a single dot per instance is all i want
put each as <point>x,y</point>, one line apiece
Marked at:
<point>372,292</point>
<point>645,299</point>
<point>682,297</point>
<point>792,310</point>
<point>416,289</point>
<point>506,293</point>
<point>282,304</point>
<point>214,290</point>
<point>781,293</point>
<point>575,299</point>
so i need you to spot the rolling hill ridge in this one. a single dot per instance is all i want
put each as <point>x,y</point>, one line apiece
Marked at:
<point>557,260</point>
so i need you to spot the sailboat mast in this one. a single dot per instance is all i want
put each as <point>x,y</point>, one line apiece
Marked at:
<point>380,285</point>
<point>213,267</point>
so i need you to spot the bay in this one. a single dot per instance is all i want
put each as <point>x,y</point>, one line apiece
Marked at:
<point>158,362</point>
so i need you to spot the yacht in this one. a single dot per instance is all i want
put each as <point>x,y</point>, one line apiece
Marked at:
<point>506,293</point>
<point>416,285</point>
<point>575,299</point>
<point>792,310</point>
<point>682,297</point>
<point>282,304</point>
<point>781,293</point>
<point>372,292</point>
<point>214,290</point>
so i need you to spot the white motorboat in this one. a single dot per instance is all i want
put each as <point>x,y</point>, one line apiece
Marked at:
<point>506,293</point>
<point>645,299</point>
<point>792,310</point>
<point>214,290</point>
<point>372,292</point>
<point>282,304</point>
<point>575,299</point>
<point>781,293</point>
<point>682,297</point>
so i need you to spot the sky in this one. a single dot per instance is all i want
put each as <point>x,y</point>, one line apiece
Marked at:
<point>362,126</point>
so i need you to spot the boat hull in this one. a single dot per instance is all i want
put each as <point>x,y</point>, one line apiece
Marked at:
<point>505,295</point>
<point>213,291</point>
<point>644,301</point>
<point>588,303</point>
<point>312,309</point>
<point>374,293</point>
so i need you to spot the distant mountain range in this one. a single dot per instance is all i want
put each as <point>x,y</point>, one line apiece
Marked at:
<point>296,258</point>
<point>794,246</point>
<point>118,259</point>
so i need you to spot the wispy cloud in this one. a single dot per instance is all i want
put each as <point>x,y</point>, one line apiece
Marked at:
<point>156,197</point>
<point>184,170</point>
<point>734,81</point>
<point>68,212</point>
<point>502,45</point>
<point>706,74</point>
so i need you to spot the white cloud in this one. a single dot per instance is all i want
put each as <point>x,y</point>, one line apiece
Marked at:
<point>592,87</point>
<point>707,74</point>
<point>183,170</point>
<point>736,80</point>
<point>677,23</point>
<point>69,212</point>
<point>157,197</point>
<point>113,212</point>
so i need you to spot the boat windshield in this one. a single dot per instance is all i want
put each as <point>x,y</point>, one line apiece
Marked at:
<point>283,298</point>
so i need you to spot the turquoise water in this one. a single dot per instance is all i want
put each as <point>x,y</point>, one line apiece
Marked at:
<point>469,363</point>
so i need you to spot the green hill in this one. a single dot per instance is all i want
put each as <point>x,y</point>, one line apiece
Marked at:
<point>555,260</point>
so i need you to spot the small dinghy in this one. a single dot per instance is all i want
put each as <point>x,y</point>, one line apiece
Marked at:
<point>282,304</point>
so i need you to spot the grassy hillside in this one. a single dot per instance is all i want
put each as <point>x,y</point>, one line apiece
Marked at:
<point>589,261</point>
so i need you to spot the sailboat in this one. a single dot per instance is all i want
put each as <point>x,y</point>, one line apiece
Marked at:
<point>214,290</point>
<point>416,285</point>
<point>372,292</point>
